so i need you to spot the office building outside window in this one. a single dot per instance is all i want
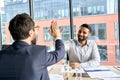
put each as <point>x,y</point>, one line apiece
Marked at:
<point>2,24</point>
<point>117,49</point>
<point>89,7</point>
<point>51,9</point>
<point>65,35</point>
<point>98,31</point>
<point>102,15</point>
<point>103,53</point>
<point>13,7</point>
<point>47,36</point>
<point>116,27</point>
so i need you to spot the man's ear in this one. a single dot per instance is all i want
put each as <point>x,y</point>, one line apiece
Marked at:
<point>30,32</point>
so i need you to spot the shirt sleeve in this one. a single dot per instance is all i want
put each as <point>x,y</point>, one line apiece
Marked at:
<point>95,58</point>
<point>67,45</point>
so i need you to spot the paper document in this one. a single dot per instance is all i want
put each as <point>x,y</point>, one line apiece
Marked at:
<point>50,67</point>
<point>97,68</point>
<point>56,77</point>
<point>102,72</point>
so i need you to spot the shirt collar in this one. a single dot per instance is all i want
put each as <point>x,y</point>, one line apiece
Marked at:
<point>78,44</point>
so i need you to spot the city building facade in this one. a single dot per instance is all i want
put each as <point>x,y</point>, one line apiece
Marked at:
<point>102,15</point>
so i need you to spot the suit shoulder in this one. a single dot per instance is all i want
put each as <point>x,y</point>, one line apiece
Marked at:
<point>38,46</point>
<point>36,49</point>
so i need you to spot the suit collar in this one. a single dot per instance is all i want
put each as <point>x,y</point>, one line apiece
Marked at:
<point>19,44</point>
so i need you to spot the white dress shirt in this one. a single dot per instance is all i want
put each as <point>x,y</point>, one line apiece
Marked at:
<point>87,55</point>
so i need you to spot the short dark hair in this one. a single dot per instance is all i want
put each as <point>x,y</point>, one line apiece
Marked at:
<point>87,26</point>
<point>20,25</point>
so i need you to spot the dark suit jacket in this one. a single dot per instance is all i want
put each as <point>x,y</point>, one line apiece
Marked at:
<point>21,61</point>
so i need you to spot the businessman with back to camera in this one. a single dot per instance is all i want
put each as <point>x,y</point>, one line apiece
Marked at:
<point>24,61</point>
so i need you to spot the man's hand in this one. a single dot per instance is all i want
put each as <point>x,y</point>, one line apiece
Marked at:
<point>54,31</point>
<point>75,65</point>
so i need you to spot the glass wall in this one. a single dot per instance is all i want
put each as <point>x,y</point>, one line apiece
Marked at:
<point>57,9</point>
<point>9,9</point>
<point>98,31</point>
<point>3,31</point>
<point>117,49</point>
<point>103,53</point>
<point>89,7</point>
<point>116,27</point>
<point>13,7</point>
<point>51,9</point>
<point>65,35</point>
<point>47,36</point>
<point>102,15</point>
<point>60,8</point>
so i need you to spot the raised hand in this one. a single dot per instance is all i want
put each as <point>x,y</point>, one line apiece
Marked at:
<point>54,31</point>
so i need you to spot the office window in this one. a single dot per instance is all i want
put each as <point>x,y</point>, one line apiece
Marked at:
<point>98,31</point>
<point>47,36</point>
<point>11,40</point>
<point>3,35</point>
<point>88,7</point>
<point>117,48</point>
<point>48,10</point>
<point>66,33</point>
<point>11,8</point>
<point>116,27</point>
<point>51,9</point>
<point>2,25</point>
<point>116,6</point>
<point>96,10</point>
<point>90,10</point>
<point>103,53</point>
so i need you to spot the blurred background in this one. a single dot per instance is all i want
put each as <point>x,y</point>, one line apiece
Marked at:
<point>102,15</point>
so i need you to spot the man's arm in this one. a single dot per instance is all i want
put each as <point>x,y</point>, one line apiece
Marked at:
<point>56,55</point>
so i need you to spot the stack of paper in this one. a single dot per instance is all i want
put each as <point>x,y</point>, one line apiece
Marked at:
<point>50,67</point>
<point>102,72</point>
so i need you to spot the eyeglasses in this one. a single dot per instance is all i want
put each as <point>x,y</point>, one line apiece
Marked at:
<point>36,27</point>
